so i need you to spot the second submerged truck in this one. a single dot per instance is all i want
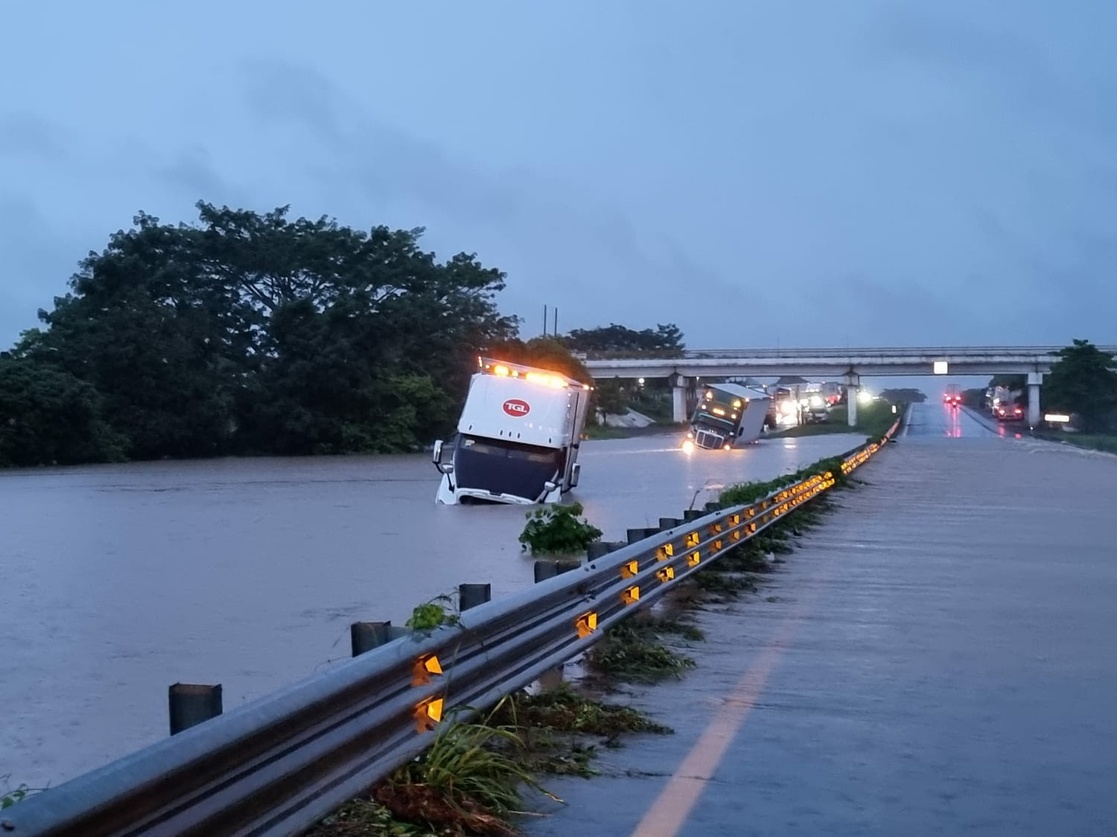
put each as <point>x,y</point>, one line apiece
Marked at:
<point>728,415</point>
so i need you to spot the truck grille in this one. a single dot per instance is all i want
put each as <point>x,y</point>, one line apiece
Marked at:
<point>710,441</point>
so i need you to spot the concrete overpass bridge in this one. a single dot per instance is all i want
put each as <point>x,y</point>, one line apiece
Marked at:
<point>847,365</point>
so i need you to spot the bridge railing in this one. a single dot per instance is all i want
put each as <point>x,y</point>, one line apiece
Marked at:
<point>1047,353</point>
<point>277,765</point>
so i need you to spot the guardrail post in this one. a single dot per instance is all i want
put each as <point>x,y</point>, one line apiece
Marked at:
<point>191,704</point>
<point>549,569</point>
<point>471,595</point>
<point>635,535</point>
<point>599,549</point>
<point>364,636</point>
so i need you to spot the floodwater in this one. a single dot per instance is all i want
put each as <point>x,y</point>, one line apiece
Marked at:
<point>937,659</point>
<point>117,581</point>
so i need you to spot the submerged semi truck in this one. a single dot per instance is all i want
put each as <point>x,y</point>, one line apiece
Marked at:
<point>518,437</point>
<point>727,415</point>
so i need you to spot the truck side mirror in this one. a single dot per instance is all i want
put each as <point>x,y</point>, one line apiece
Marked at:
<point>436,457</point>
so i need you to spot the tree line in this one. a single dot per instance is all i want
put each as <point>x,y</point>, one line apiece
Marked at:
<point>249,333</point>
<point>1082,383</point>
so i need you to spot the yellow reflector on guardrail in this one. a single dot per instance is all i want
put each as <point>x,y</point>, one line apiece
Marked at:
<point>631,595</point>
<point>586,624</point>
<point>423,669</point>
<point>428,714</point>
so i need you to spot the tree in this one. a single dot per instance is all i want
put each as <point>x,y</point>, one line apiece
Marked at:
<point>663,341</point>
<point>1083,381</point>
<point>903,396</point>
<point>50,417</point>
<point>612,399</point>
<point>254,333</point>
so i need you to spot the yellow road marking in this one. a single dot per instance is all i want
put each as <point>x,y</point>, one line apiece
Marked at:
<point>675,802</point>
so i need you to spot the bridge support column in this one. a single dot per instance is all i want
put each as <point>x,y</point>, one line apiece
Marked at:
<point>853,387</point>
<point>1034,381</point>
<point>678,399</point>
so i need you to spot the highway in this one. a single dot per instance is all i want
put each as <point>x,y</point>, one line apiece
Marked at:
<point>121,580</point>
<point>935,421</point>
<point>935,659</point>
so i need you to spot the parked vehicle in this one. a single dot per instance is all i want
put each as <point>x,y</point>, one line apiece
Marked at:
<point>831,393</point>
<point>1002,404</point>
<point>518,437</point>
<point>727,415</point>
<point>814,409</point>
<point>783,407</point>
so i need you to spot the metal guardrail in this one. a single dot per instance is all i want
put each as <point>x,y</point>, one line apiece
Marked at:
<point>277,765</point>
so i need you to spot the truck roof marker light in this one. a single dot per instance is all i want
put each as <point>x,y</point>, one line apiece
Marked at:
<point>501,369</point>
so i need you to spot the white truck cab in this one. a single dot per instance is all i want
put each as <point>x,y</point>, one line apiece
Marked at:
<point>518,437</point>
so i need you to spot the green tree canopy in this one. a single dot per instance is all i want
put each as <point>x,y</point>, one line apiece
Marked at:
<point>1083,381</point>
<point>252,332</point>
<point>663,341</point>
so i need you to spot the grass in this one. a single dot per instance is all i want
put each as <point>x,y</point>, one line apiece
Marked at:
<point>474,777</point>
<point>872,419</point>
<point>1089,441</point>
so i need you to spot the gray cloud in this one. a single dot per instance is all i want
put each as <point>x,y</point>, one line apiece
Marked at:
<point>1016,69</point>
<point>192,172</point>
<point>562,250</point>
<point>26,134</point>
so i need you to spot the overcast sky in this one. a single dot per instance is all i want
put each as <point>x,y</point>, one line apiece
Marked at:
<point>781,173</point>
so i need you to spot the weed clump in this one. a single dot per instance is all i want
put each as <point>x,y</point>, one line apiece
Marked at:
<point>11,796</point>
<point>564,710</point>
<point>724,586</point>
<point>631,652</point>
<point>433,614</point>
<point>557,529</point>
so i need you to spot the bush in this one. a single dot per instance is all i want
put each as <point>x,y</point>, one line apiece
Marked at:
<point>557,529</point>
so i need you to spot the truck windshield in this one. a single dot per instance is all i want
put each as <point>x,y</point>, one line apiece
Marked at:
<point>707,419</point>
<point>501,467</point>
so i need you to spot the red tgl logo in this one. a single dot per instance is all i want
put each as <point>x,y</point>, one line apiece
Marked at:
<point>516,407</point>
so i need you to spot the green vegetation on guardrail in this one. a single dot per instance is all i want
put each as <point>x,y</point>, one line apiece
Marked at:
<point>556,529</point>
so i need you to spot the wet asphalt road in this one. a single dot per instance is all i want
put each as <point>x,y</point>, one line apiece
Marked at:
<point>937,658</point>
<point>117,581</point>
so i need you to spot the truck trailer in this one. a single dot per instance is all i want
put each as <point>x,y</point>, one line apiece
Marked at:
<point>727,416</point>
<point>518,437</point>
